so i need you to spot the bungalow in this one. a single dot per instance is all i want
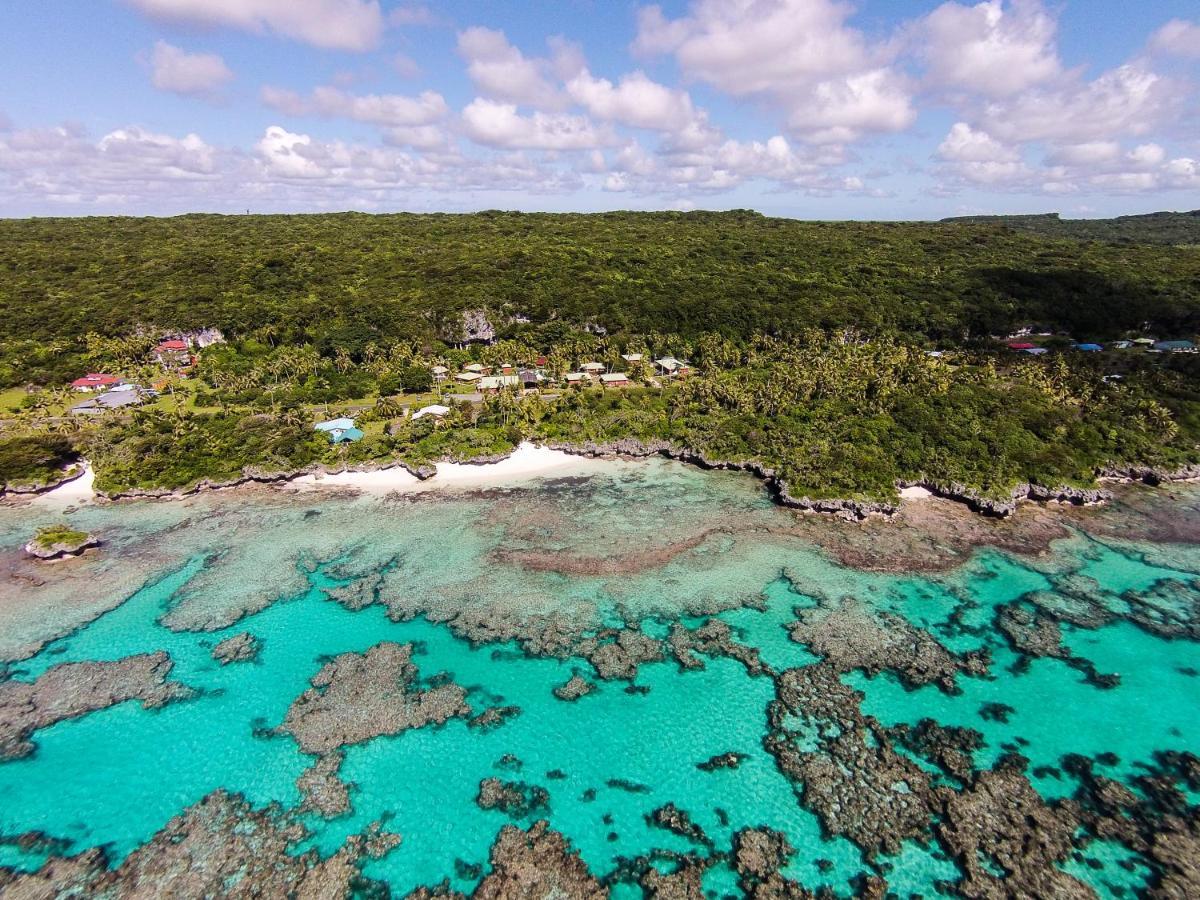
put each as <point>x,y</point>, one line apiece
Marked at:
<point>1144,342</point>
<point>473,367</point>
<point>575,378</point>
<point>669,365</point>
<point>529,378</point>
<point>632,357</point>
<point>506,368</point>
<point>592,369</point>
<point>467,377</point>
<point>1021,345</point>
<point>173,352</point>
<point>1089,348</point>
<point>1036,351</point>
<point>1175,347</point>
<point>340,430</point>
<point>540,362</point>
<point>497,382</point>
<point>119,397</point>
<point>436,410</point>
<point>94,381</point>
<point>439,373</point>
<point>615,379</point>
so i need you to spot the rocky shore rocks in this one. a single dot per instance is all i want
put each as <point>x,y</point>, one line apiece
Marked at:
<point>60,543</point>
<point>70,690</point>
<point>358,696</point>
<point>242,647</point>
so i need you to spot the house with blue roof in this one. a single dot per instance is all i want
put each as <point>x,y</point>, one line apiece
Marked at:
<point>1089,348</point>
<point>340,430</point>
<point>1175,347</point>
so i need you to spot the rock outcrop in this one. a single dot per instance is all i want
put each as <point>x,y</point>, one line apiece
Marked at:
<point>242,647</point>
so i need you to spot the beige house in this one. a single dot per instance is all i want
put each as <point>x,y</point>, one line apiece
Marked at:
<point>614,379</point>
<point>467,377</point>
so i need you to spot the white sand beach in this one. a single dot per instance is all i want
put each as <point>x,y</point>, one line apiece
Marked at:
<point>77,490</point>
<point>527,462</point>
<point>915,493</point>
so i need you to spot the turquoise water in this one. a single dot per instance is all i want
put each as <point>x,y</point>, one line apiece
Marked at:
<point>115,776</point>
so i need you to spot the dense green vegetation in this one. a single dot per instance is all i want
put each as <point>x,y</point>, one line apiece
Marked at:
<point>48,536</point>
<point>1182,228</point>
<point>809,341</point>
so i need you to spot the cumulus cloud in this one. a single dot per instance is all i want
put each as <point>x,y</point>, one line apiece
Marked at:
<point>1178,37</point>
<point>990,48</point>
<point>636,101</point>
<point>502,72</point>
<point>501,125</point>
<point>334,24</point>
<point>390,110</point>
<point>800,54</point>
<point>965,144</point>
<point>190,74</point>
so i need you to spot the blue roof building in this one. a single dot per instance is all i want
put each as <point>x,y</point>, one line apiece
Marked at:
<point>335,425</point>
<point>1174,346</point>
<point>344,435</point>
<point>1089,348</point>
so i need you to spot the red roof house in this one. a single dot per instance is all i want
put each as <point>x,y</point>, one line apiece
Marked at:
<point>93,381</point>
<point>173,345</point>
<point>1021,346</point>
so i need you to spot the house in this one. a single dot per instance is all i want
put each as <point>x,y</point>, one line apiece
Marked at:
<point>497,382</point>
<point>632,357</point>
<point>173,352</point>
<point>439,373</point>
<point>118,397</point>
<point>94,381</point>
<point>1036,351</point>
<point>936,354</point>
<point>615,379</point>
<point>1144,342</point>
<point>506,368</point>
<point>436,410</point>
<point>340,430</point>
<point>1175,347</point>
<point>1122,345</point>
<point>575,378</point>
<point>474,367</point>
<point>669,365</point>
<point>1089,348</point>
<point>529,378</point>
<point>592,369</point>
<point>540,362</point>
<point>1021,345</point>
<point>467,377</point>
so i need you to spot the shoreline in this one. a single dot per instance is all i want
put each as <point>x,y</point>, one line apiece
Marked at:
<point>531,460</point>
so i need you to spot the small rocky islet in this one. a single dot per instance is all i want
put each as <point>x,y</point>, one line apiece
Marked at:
<point>835,730</point>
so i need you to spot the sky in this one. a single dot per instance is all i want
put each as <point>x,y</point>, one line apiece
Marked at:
<point>817,109</point>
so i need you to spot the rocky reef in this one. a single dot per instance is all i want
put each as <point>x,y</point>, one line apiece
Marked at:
<point>515,799</point>
<point>323,790</point>
<point>221,847</point>
<point>358,696</point>
<point>242,647</point>
<point>70,690</point>
<point>60,542</point>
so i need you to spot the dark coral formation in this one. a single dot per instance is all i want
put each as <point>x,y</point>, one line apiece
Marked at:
<point>727,760</point>
<point>323,790</point>
<point>538,862</point>
<point>684,883</point>
<point>1034,634</point>
<point>854,780</point>
<point>515,799</point>
<point>575,687</point>
<point>679,822</point>
<point>242,647</point>
<point>714,639</point>
<point>850,636</point>
<point>219,847</point>
<point>70,690</point>
<point>617,653</point>
<point>358,696</point>
<point>493,717</point>
<point>758,856</point>
<point>948,747</point>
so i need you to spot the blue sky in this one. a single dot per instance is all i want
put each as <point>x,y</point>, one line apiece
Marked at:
<point>809,108</point>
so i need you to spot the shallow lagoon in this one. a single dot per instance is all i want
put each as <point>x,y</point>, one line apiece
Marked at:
<point>642,544</point>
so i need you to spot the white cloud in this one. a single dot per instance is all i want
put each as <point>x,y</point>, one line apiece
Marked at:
<point>500,125</point>
<point>990,48</point>
<point>191,74</point>
<point>799,54</point>
<point>502,72</point>
<point>413,14</point>
<point>334,24</point>
<point>635,100</point>
<point>390,110</point>
<point>965,144</point>
<point>1178,37</point>
<point>1092,153</point>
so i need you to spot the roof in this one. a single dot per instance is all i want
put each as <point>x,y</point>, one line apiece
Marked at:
<point>435,409</point>
<point>335,424</point>
<point>668,362</point>
<point>1089,348</point>
<point>1174,345</point>
<point>1035,351</point>
<point>632,357</point>
<point>95,379</point>
<point>574,376</point>
<point>173,345</point>
<point>614,377</point>
<point>439,370</point>
<point>347,434</point>
<point>495,382</point>
<point>592,367</point>
<point>473,367</point>
<point>468,376</point>
<point>1021,345</point>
